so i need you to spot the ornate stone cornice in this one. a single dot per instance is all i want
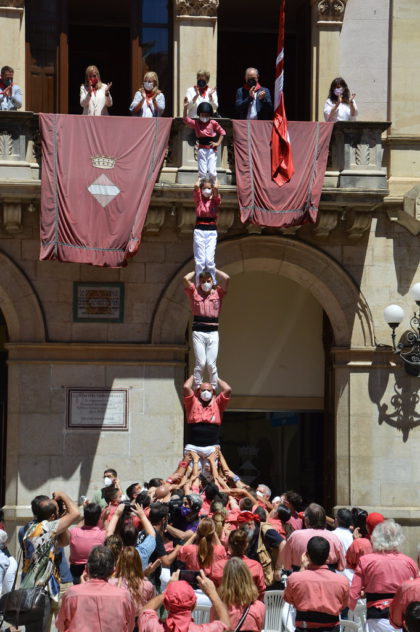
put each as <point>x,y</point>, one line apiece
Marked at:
<point>331,10</point>
<point>196,8</point>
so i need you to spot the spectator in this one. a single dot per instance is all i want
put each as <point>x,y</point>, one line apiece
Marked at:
<point>110,480</point>
<point>239,593</point>
<point>209,135</point>
<point>296,544</point>
<point>115,544</point>
<point>237,546</point>
<point>207,201</point>
<point>318,595</point>
<point>95,96</point>
<point>4,561</point>
<point>83,539</point>
<point>129,575</point>
<point>252,100</point>
<point>340,106</point>
<point>130,534</point>
<point>293,501</point>
<point>206,303</point>
<point>179,600</point>
<point>343,521</point>
<point>10,93</point>
<point>408,592</point>
<point>49,529</point>
<point>96,604</point>
<point>201,93</point>
<point>204,410</point>
<point>148,101</point>
<point>364,525</point>
<point>412,617</point>
<point>380,573</point>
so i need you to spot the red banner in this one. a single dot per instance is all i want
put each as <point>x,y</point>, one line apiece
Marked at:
<point>261,201</point>
<point>98,175</point>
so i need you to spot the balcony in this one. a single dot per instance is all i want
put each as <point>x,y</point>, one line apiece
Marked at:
<point>355,182</point>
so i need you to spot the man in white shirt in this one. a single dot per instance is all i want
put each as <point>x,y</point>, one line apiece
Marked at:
<point>343,521</point>
<point>10,93</point>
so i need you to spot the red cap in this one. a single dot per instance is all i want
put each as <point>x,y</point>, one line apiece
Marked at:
<point>247,516</point>
<point>372,520</point>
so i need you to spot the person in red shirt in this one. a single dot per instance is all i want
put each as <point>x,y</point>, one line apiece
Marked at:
<point>206,304</point>
<point>204,410</point>
<point>315,523</point>
<point>293,501</point>
<point>318,595</point>
<point>408,591</point>
<point>209,135</point>
<point>361,544</point>
<point>380,573</point>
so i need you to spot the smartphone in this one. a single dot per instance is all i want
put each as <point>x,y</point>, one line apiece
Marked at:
<point>190,577</point>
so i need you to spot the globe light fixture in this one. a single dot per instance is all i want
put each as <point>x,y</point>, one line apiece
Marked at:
<point>409,348</point>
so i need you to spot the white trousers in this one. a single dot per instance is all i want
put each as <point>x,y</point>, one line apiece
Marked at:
<point>206,347</point>
<point>204,248</point>
<point>207,159</point>
<point>381,625</point>
<point>204,453</point>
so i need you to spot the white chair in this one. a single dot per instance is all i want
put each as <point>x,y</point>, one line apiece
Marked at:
<point>273,600</point>
<point>346,625</point>
<point>359,615</point>
<point>201,614</point>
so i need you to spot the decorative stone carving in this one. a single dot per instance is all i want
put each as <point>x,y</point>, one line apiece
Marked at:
<point>331,10</point>
<point>253,229</point>
<point>185,220</point>
<point>360,222</point>
<point>225,220</point>
<point>327,221</point>
<point>154,219</point>
<point>196,8</point>
<point>12,217</point>
<point>407,213</point>
<point>291,230</point>
<point>6,146</point>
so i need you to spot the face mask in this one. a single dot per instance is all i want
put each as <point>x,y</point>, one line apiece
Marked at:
<point>7,82</point>
<point>338,91</point>
<point>204,119</point>
<point>184,511</point>
<point>206,395</point>
<point>93,81</point>
<point>206,192</point>
<point>148,85</point>
<point>251,82</point>
<point>201,83</point>
<point>107,481</point>
<point>206,287</point>
<point>259,494</point>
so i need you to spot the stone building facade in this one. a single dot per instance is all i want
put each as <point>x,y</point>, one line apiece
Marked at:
<point>318,393</point>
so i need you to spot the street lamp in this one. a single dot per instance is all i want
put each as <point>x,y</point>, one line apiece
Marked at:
<point>409,350</point>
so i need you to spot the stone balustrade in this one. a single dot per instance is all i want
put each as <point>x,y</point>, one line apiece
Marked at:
<point>355,182</point>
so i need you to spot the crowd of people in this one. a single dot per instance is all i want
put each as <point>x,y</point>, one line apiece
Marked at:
<point>146,558</point>
<point>252,101</point>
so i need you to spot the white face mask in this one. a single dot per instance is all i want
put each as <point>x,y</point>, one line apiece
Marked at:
<point>204,119</point>
<point>107,481</point>
<point>206,395</point>
<point>338,91</point>
<point>148,85</point>
<point>206,192</point>
<point>206,286</point>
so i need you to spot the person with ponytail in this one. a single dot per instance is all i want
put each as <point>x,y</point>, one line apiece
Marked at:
<point>179,601</point>
<point>237,545</point>
<point>148,101</point>
<point>203,549</point>
<point>240,595</point>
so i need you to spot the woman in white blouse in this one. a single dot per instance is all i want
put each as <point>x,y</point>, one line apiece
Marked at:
<point>148,100</point>
<point>340,105</point>
<point>201,93</point>
<point>95,98</point>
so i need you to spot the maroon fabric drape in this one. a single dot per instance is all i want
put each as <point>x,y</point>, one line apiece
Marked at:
<point>261,201</point>
<point>98,174</point>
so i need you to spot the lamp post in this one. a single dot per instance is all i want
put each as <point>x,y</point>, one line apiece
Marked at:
<point>409,350</point>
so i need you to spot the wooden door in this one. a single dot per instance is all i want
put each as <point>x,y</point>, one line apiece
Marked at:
<point>46,56</point>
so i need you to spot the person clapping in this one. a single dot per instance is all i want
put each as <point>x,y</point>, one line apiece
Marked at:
<point>340,105</point>
<point>201,93</point>
<point>148,101</point>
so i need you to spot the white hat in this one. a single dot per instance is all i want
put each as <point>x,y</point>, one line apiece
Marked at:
<point>3,538</point>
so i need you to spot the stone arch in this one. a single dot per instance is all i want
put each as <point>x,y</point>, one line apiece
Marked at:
<point>311,268</point>
<point>19,304</point>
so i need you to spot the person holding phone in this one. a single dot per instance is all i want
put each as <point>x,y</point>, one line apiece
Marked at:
<point>95,96</point>
<point>10,93</point>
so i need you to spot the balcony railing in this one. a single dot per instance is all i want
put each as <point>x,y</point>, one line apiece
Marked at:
<point>355,181</point>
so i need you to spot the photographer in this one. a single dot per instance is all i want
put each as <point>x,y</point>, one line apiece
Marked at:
<point>147,546</point>
<point>42,537</point>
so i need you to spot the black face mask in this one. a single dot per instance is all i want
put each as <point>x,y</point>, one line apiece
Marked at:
<point>7,82</point>
<point>251,82</point>
<point>201,83</point>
